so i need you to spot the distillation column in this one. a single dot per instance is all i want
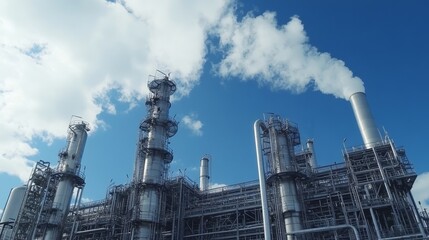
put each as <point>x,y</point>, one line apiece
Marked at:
<point>283,136</point>
<point>152,156</point>
<point>68,173</point>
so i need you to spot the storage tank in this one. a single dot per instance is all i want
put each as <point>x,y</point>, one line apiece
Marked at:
<point>11,211</point>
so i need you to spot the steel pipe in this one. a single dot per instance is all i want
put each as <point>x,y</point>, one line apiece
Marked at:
<point>262,185</point>
<point>312,161</point>
<point>204,173</point>
<point>325,229</point>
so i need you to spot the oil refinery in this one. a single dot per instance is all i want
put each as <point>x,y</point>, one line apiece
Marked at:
<point>367,196</point>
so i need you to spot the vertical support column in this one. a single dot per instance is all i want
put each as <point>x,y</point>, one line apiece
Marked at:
<point>152,156</point>
<point>68,173</point>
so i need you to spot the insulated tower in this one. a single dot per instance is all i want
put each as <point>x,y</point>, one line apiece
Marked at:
<point>69,177</point>
<point>152,156</point>
<point>279,137</point>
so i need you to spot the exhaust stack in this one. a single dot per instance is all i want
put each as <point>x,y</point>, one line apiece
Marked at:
<point>204,173</point>
<point>365,120</point>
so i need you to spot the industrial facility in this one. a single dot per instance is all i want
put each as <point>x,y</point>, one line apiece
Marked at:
<point>367,196</point>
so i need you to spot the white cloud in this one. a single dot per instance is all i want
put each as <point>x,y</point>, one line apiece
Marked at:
<point>281,57</point>
<point>58,59</point>
<point>420,190</point>
<point>193,124</point>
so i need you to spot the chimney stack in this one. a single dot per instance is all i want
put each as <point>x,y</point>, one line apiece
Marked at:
<point>365,120</point>
<point>204,173</point>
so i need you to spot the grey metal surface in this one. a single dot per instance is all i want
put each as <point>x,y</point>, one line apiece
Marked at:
<point>152,155</point>
<point>11,211</point>
<point>204,173</point>
<point>365,120</point>
<point>68,171</point>
<point>262,185</point>
<point>282,149</point>
<point>312,161</point>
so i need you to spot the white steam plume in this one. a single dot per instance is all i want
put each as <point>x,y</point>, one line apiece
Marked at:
<point>59,58</point>
<point>256,48</point>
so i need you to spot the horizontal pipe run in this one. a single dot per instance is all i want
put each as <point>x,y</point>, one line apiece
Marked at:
<point>404,237</point>
<point>325,229</point>
<point>91,231</point>
<point>220,232</point>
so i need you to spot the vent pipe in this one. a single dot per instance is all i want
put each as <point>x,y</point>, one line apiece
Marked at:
<point>312,160</point>
<point>204,173</point>
<point>365,120</point>
<point>261,174</point>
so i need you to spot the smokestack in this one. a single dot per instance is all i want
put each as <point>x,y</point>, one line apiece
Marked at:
<point>312,161</point>
<point>204,173</point>
<point>365,120</point>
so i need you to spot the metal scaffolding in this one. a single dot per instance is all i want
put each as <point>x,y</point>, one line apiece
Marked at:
<point>36,196</point>
<point>366,196</point>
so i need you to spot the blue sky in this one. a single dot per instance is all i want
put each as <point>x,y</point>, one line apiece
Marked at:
<point>93,60</point>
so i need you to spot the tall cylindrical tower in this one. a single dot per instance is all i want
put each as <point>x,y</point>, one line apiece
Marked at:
<point>152,156</point>
<point>279,137</point>
<point>69,177</point>
<point>365,120</point>
<point>283,136</point>
<point>204,173</point>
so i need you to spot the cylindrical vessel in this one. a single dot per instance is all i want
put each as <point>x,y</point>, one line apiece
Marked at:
<point>11,211</point>
<point>365,120</point>
<point>153,155</point>
<point>312,160</point>
<point>282,150</point>
<point>68,174</point>
<point>204,174</point>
